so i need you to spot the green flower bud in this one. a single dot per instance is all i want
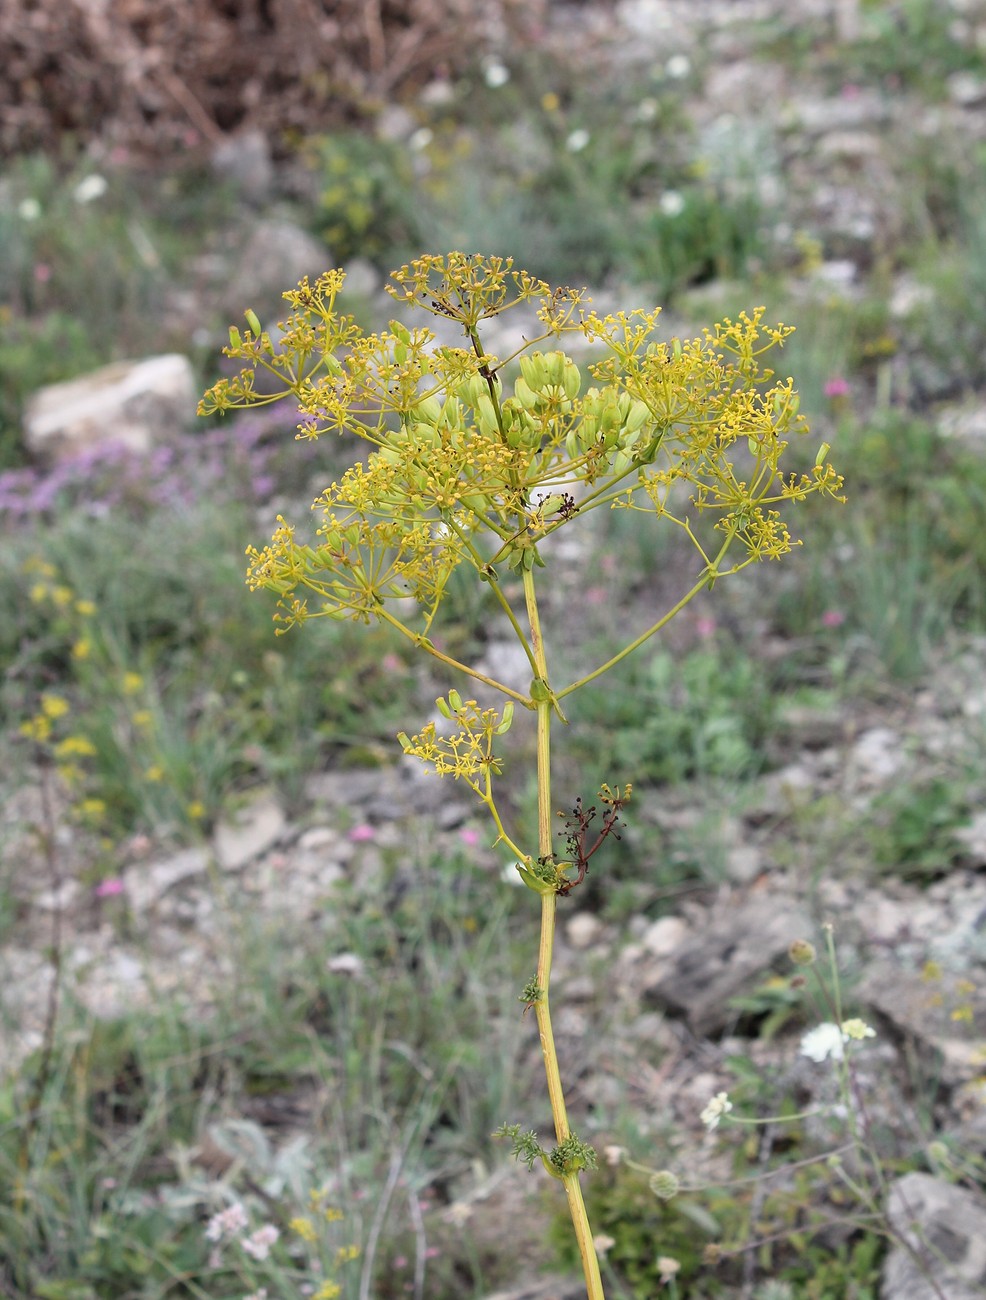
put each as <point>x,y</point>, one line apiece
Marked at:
<point>664,1184</point>
<point>636,417</point>
<point>429,409</point>
<point>534,371</point>
<point>525,394</point>
<point>254,323</point>
<point>571,380</point>
<point>802,953</point>
<point>486,414</point>
<point>554,365</point>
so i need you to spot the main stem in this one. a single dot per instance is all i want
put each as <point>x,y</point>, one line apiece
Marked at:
<point>549,904</point>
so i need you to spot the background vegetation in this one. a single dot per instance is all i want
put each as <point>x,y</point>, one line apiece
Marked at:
<point>130,633</point>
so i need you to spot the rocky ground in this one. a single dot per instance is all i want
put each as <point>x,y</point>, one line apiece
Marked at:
<point>668,1025</point>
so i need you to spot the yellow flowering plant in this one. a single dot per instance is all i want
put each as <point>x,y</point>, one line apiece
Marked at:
<point>474,460</point>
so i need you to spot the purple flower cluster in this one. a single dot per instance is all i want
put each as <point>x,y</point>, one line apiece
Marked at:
<point>238,461</point>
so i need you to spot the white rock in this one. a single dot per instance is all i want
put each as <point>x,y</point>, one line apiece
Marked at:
<point>661,938</point>
<point>146,884</point>
<point>583,930</point>
<point>254,830</point>
<point>132,403</point>
<point>973,837</point>
<point>877,754</point>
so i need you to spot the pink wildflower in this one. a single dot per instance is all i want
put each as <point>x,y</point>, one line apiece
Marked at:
<point>361,833</point>
<point>227,1223</point>
<point>836,387</point>
<point>259,1243</point>
<point>469,836</point>
<point>833,618</point>
<point>705,627</point>
<point>109,888</point>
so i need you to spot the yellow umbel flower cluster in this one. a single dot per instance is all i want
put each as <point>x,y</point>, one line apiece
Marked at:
<point>469,467</point>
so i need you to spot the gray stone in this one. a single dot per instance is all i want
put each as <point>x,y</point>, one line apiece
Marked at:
<point>254,830</point>
<point>744,862</point>
<point>583,930</point>
<point>275,256</point>
<point>551,1289</point>
<point>922,1011</point>
<point>965,423</point>
<point>132,403</point>
<point>363,280</point>
<point>973,839</point>
<point>737,945</point>
<point>665,935</point>
<point>146,884</point>
<point>876,756</point>
<point>946,1226</point>
<point>244,159</point>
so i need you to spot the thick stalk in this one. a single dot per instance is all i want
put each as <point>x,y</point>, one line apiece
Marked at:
<point>549,904</point>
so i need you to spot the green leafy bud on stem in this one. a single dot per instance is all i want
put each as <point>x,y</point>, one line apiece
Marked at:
<point>664,1184</point>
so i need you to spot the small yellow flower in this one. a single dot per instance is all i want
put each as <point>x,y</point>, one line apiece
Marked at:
<point>346,1253</point>
<point>86,608</point>
<point>91,809</point>
<point>304,1228</point>
<point>328,1291</point>
<point>196,810</point>
<point>54,706</point>
<point>856,1029</point>
<point>39,593</point>
<point>550,102</point>
<point>62,596</point>
<point>132,683</point>
<point>37,728</point>
<point>80,746</point>
<point>82,648</point>
<point>332,1215</point>
<point>154,773</point>
<point>36,565</point>
<point>143,718</point>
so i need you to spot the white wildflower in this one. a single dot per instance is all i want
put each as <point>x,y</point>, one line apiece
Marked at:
<point>496,74</point>
<point>29,209</point>
<point>577,140</point>
<point>719,1105</point>
<point>671,203</point>
<point>678,66</point>
<point>91,188</point>
<point>822,1042</point>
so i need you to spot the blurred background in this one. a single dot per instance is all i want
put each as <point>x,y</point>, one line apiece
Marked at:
<point>246,957</point>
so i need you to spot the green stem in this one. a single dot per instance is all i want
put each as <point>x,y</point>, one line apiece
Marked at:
<point>549,904</point>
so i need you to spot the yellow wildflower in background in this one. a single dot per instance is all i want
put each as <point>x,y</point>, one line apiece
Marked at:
<point>304,1228</point>
<point>54,706</point>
